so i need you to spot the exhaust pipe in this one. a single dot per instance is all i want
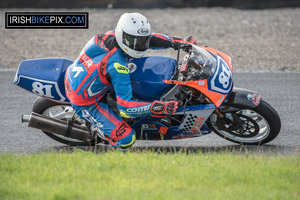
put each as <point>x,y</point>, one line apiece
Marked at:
<point>56,126</point>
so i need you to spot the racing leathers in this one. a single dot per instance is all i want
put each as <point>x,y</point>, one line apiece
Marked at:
<point>100,66</point>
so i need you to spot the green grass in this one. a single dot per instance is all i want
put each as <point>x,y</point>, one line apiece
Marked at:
<point>148,175</point>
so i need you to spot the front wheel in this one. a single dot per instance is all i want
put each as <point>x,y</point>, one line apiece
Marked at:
<point>249,126</point>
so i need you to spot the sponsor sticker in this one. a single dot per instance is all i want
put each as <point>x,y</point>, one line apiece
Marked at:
<point>87,61</point>
<point>149,127</point>
<point>197,125</point>
<point>138,109</point>
<point>132,67</point>
<point>121,68</point>
<point>254,98</point>
<point>201,82</point>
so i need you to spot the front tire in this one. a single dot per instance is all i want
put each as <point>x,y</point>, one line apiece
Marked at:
<point>248,126</point>
<point>63,112</point>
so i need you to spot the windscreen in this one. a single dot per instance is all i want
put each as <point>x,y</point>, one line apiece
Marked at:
<point>203,61</point>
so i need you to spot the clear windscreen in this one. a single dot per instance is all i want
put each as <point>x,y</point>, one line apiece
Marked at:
<point>202,61</point>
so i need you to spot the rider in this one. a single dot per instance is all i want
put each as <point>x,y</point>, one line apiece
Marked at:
<point>103,63</point>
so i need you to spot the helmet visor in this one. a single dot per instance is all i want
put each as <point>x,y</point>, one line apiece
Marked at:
<point>137,43</point>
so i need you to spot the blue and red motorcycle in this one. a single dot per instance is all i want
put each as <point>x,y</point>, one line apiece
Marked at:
<point>202,83</point>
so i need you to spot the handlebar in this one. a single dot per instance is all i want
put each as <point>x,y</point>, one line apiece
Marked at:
<point>184,46</point>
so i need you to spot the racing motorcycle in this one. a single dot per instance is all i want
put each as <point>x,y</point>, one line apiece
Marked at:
<point>202,83</point>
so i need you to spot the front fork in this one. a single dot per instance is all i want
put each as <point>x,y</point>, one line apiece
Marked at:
<point>224,121</point>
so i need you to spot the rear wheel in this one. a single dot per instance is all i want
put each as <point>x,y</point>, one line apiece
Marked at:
<point>250,126</point>
<point>62,112</point>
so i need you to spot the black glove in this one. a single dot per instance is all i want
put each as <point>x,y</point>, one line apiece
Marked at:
<point>184,46</point>
<point>190,40</point>
<point>160,107</point>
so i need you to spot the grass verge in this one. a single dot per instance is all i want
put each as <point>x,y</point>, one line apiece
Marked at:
<point>148,175</point>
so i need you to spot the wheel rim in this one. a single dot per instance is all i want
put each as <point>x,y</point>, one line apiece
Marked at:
<point>63,112</point>
<point>255,127</point>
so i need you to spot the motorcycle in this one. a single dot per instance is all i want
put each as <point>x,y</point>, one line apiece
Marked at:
<point>202,83</point>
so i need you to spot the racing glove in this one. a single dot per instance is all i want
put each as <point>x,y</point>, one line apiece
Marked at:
<point>185,44</point>
<point>160,107</point>
<point>189,40</point>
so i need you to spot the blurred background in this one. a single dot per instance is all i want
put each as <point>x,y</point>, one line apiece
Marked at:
<point>259,35</point>
<point>242,4</point>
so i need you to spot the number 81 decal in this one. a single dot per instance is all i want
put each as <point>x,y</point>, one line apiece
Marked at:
<point>46,88</point>
<point>42,90</point>
<point>222,80</point>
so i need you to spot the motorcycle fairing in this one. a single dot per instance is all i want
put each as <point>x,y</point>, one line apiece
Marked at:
<point>44,77</point>
<point>217,87</point>
<point>241,98</point>
<point>221,81</point>
<point>193,125</point>
<point>223,55</point>
<point>194,121</point>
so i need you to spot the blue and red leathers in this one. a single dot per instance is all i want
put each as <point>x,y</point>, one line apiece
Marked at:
<point>100,66</point>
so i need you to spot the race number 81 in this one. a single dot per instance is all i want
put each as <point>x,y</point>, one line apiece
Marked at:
<point>42,90</point>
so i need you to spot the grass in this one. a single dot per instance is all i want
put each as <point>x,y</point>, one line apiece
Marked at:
<point>148,175</point>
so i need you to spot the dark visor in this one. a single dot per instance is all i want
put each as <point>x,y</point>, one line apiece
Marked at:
<point>138,43</point>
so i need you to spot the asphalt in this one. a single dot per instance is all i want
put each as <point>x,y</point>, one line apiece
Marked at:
<point>281,90</point>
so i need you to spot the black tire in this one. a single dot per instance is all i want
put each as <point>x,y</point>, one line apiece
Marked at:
<point>267,112</point>
<point>40,106</point>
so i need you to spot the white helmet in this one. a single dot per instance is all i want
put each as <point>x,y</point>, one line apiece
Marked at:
<point>133,34</point>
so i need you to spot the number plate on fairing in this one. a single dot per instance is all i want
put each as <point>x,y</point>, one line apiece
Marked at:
<point>44,77</point>
<point>222,80</point>
<point>40,87</point>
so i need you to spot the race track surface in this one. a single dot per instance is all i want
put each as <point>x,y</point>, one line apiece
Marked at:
<point>281,90</point>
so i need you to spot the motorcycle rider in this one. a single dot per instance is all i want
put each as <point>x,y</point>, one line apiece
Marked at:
<point>103,63</point>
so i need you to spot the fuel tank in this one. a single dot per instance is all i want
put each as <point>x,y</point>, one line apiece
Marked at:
<point>148,74</point>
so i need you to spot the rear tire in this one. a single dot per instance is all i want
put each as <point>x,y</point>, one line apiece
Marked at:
<point>42,105</point>
<point>257,125</point>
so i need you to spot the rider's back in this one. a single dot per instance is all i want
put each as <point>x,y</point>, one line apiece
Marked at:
<point>86,80</point>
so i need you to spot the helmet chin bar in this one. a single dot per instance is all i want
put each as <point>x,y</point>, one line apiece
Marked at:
<point>132,53</point>
<point>125,53</point>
